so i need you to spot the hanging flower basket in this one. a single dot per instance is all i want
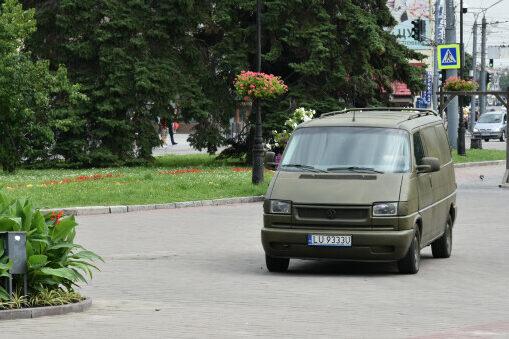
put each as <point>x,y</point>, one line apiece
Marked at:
<point>259,85</point>
<point>457,84</point>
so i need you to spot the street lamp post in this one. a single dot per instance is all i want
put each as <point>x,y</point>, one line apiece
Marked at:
<point>461,123</point>
<point>258,150</point>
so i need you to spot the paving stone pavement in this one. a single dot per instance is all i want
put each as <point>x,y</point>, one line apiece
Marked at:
<point>199,272</point>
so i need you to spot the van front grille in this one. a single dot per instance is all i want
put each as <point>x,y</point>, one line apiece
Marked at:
<point>333,213</point>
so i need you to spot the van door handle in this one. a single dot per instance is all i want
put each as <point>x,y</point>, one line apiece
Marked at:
<point>430,181</point>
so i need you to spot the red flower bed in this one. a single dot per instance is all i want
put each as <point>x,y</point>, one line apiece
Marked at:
<point>82,178</point>
<point>241,169</point>
<point>181,171</point>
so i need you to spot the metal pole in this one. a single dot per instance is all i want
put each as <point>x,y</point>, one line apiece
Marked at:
<point>438,17</point>
<point>505,181</point>
<point>462,49</point>
<point>452,110</point>
<point>475,77</point>
<point>482,79</point>
<point>258,151</point>
<point>461,123</point>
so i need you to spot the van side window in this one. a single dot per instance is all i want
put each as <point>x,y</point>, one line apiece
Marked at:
<point>443,144</point>
<point>418,148</point>
<point>430,141</point>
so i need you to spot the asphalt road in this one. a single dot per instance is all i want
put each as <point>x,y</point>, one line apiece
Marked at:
<point>199,272</point>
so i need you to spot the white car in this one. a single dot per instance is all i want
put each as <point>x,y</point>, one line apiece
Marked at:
<point>491,125</point>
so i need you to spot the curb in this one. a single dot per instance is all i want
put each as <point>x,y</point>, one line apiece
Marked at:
<point>93,210</point>
<point>479,164</point>
<point>28,313</point>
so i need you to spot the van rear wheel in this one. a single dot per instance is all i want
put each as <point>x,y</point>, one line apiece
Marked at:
<point>410,262</point>
<point>277,264</point>
<point>442,247</point>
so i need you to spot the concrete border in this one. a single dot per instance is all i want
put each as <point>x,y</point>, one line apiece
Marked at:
<point>91,210</point>
<point>479,164</point>
<point>35,312</point>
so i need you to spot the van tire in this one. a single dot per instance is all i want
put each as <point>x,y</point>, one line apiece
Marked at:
<point>442,247</point>
<point>502,137</point>
<point>410,262</point>
<point>486,139</point>
<point>276,264</point>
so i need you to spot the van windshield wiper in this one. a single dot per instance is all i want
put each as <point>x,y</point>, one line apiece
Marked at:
<point>355,169</point>
<point>305,167</point>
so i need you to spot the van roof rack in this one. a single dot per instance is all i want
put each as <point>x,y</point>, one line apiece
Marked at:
<point>418,112</point>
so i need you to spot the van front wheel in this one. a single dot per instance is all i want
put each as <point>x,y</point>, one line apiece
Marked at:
<point>410,262</point>
<point>442,247</point>
<point>277,264</point>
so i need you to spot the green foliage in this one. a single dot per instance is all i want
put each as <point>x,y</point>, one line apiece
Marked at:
<point>5,266</point>
<point>17,300</point>
<point>139,60</point>
<point>54,260</point>
<point>45,297</point>
<point>36,104</point>
<point>280,138</point>
<point>136,61</point>
<point>331,54</point>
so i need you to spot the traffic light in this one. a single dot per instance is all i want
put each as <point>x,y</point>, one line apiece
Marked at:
<point>442,76</point>
<point>491,63</point>
<point>418,29</point>
<point>488,78</point>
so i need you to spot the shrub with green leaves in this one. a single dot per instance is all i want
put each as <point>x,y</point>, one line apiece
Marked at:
<point>5,265</point>
<point>54,260</point>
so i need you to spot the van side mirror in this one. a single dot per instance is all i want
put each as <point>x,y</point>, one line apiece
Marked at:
<point>429,164</point>
<point>270,161</point>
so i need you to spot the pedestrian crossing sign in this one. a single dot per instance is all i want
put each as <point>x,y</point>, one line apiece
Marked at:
<point>449,56</point>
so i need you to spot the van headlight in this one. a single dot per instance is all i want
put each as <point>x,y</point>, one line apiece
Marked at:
<point>476,130</point>
<point>385,209</point>
<point>280,207</point>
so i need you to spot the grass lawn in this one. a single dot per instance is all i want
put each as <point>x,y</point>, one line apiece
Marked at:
<point>170,179</point>
<point>475,155</point>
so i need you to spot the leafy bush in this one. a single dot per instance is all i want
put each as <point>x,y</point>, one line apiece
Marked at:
<point>280,139</point>
<point>43,298</point>
<point>54,260</point>
<point>5,265</point>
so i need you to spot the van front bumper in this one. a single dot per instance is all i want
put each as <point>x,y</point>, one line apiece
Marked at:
<point>367,245</point>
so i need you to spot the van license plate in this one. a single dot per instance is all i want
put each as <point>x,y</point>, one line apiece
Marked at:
<point>329,240</point>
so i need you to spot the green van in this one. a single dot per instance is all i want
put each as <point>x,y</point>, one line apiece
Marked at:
<point>370,184</point>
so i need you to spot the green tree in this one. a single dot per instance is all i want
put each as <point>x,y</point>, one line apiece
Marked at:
<point>136,61</point>
<point>332,54</point>
<point>34,102</point>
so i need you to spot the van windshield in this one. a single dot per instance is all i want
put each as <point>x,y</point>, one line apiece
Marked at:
<point>348,149</point>
<point>491,118</point>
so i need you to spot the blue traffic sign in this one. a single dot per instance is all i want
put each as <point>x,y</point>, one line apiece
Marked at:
<point>449,56</point>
